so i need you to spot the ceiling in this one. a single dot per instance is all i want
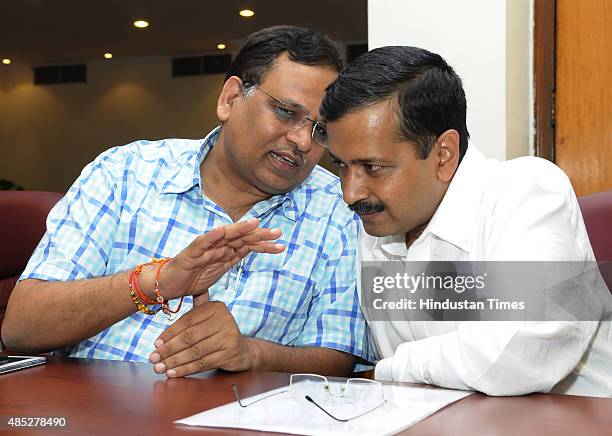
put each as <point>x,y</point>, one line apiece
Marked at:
<point>41,32</point>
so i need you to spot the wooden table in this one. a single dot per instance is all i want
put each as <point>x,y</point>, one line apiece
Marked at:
<point>115,398</point>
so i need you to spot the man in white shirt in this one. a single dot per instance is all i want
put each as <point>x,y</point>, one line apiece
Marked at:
<point>397,131</point>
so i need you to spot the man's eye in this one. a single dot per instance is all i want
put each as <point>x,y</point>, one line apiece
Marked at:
<point>284,113</point>
<point>372,168</point>
<point>321,131</point>
<point>338,163</point>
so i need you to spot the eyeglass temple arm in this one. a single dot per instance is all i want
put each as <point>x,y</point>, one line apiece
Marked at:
<point>235,389</point>
<point>326,412</point>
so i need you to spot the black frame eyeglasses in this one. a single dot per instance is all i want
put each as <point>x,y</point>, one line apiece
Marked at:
<point>294,116</point>
<point>316,389</point>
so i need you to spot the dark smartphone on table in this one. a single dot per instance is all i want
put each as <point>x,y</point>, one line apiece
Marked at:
<point>14,363</point>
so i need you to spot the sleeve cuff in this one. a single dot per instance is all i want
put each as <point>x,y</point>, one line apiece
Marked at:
<point>384,369</point>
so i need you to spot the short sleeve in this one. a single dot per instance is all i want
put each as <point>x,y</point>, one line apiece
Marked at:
<point>81,227</point>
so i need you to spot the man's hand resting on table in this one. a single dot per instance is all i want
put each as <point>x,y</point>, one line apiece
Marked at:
<point>206,337</point>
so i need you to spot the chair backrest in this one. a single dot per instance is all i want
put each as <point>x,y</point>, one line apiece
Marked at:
<point>597,214</point>
<point>23,216</point>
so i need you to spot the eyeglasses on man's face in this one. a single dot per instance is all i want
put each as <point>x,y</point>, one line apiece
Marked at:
<point>365,395</point>
<point>294,116</point>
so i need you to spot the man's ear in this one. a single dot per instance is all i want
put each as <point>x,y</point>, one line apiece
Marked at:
<point>447,155</point>
<point>232,89</point>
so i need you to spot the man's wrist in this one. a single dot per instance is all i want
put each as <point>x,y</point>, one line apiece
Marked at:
<point>255,354</point>
<point>146,280</point>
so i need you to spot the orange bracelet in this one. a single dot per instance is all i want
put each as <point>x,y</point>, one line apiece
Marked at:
<point>160,300</point>
<point>138,297</point>
<point>141,300</point>
<point>141,306</point>
<point>135,286</point>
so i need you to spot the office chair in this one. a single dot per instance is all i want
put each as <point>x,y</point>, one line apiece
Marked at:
<point>597,214</point>
<point>22,224</point>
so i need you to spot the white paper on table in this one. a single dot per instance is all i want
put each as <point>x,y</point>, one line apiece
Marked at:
<point>406,405</point>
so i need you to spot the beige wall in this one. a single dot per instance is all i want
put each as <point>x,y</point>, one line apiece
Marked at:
<point>48,133</point>
<point>488,43</point>
<point>519,83</point>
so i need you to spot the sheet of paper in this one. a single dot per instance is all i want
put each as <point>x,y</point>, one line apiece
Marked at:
<point>282,413</point>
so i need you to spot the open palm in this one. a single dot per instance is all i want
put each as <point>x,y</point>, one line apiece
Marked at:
<point>211,255</point>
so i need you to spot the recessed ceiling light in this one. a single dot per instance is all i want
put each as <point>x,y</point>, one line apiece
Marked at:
<point>6,61</point>
<point>141,24</point>
<point>246,13</point>
<point>221,46</point>
<point>108,55</point>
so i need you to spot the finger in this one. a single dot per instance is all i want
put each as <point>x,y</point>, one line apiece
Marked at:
<point>182,348</point>
<point>236,230</point>
<point>207,240</point>
<point>195,316</point>
<point>221,236</point>
<point>267,247</point>
<point>193,353</point>
<point>257,235</point>
<point>260,248</point>
<point>211,361</point>
<point>188,346</point>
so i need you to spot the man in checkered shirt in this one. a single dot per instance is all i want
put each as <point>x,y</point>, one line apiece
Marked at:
<point>262,245</point>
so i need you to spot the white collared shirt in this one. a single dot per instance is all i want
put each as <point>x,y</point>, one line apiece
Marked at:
<point>522,209</point>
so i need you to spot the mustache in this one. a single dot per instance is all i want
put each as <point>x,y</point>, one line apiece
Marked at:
<point>365,207</point>
<point>298,156</point>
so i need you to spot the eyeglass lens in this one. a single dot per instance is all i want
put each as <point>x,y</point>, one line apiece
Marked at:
<point>295,118</point>
<point>301,385</point>
<point>363,391</point>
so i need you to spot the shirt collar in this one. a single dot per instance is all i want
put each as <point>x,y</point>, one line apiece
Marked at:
<point>455,219</point>
<point>394,245</point>
<point>284,201</point>
<point>181,181</point>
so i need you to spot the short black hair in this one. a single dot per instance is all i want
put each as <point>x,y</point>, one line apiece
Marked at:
<point>430,96</point>
<point>262,48</point>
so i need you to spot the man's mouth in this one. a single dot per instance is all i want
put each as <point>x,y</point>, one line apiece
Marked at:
<point>286,158</point>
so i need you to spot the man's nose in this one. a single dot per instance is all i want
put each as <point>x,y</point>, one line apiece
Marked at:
<point>353,188</point>
<point>301,137</point>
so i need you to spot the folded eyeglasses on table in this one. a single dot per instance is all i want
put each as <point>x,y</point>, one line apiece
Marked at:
<point>316,389</point>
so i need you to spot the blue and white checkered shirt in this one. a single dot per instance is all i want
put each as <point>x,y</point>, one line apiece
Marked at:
<point>145,200</point>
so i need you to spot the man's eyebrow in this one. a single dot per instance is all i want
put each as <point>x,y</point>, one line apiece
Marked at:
<point>292,103</point>
<point>362,160</point>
